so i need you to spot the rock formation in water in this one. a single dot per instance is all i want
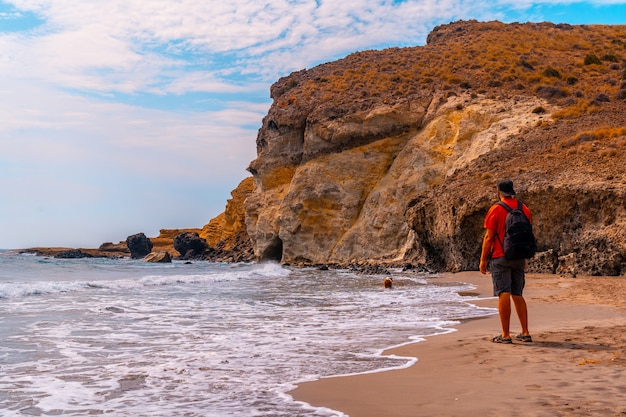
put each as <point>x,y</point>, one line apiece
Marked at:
<point>73,254</point>
<point>190,245</point>
<point>139,245</point>
<point>158,257</point>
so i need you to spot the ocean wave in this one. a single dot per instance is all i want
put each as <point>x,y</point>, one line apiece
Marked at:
<point>25,289</point>
<point>42,288</point>
<point>270,269</point>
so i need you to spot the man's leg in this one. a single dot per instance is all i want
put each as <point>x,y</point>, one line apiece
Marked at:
<point>504,310</point>
<point>522,313</point>
<point>518,281</point>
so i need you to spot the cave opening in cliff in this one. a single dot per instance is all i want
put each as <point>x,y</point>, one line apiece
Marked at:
<point>274,251</point>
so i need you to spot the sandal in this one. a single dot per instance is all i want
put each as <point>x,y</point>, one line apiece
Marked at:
<point>524,338</point>
<point>500,339</point>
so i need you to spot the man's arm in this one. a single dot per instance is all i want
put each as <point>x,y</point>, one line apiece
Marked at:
<point>490,236</point>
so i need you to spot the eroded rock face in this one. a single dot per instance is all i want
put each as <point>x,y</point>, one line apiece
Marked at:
<point>392,156</point>
<point>190,245</point>
<point>227,234</point>
<point>580,230</point>
<point>350,205</point>
<point>236,248</point>
<point>231,222</point>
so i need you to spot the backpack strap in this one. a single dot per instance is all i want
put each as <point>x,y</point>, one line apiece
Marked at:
<point>508,209</point>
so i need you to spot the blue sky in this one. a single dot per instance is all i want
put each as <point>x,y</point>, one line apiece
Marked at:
<point>127,116</point>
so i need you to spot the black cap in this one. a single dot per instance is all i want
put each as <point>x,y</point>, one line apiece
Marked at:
<point>505,187</point>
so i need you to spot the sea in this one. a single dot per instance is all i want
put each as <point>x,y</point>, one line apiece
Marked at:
<point>122,337</point>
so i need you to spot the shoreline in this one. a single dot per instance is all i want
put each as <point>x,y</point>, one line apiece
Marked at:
<point>575,366</point>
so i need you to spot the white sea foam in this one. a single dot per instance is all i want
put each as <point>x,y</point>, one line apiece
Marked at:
<point>23,289</point>
<point>130,339</point>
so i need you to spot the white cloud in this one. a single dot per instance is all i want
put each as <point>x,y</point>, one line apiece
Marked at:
<point>66,128</point>
<point>134,46</point>
<point>112,46</point>
<point>74,171</point>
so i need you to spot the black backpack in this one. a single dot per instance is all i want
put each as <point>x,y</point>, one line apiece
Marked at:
<point>519,241</point>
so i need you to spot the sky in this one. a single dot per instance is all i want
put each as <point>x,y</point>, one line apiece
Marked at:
<point>127,116</point>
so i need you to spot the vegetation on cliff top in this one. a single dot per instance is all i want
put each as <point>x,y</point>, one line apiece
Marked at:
<point>573,66</point>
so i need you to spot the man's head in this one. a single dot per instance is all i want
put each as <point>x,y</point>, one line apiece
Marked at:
<point>388,282</point>
<point>505,187</point>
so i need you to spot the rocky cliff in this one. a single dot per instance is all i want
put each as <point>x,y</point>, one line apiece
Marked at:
<point>227,234</point>
<point>391,156</point>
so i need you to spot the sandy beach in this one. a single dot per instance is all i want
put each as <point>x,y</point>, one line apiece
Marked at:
<point>575,366</point>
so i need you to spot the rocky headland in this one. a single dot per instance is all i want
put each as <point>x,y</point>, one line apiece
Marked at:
<point>389,158</point>
<point>223,239</point>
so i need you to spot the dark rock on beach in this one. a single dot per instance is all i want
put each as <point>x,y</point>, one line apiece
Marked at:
<point>73,254</point>
<point>139,245</point>
<point>237,248</point>
<point>190,245</point>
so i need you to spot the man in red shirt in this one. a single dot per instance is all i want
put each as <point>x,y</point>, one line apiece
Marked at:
<point>507,275</point>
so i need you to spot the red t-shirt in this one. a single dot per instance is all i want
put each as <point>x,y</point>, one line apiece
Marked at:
<point>496,221</point>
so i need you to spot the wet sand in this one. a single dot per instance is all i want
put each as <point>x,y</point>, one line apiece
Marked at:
<point>575,366</point>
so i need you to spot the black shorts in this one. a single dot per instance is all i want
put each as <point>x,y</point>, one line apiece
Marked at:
<point>508,276</point>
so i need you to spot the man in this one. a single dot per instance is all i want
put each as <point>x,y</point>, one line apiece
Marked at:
<point>507,275</point>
